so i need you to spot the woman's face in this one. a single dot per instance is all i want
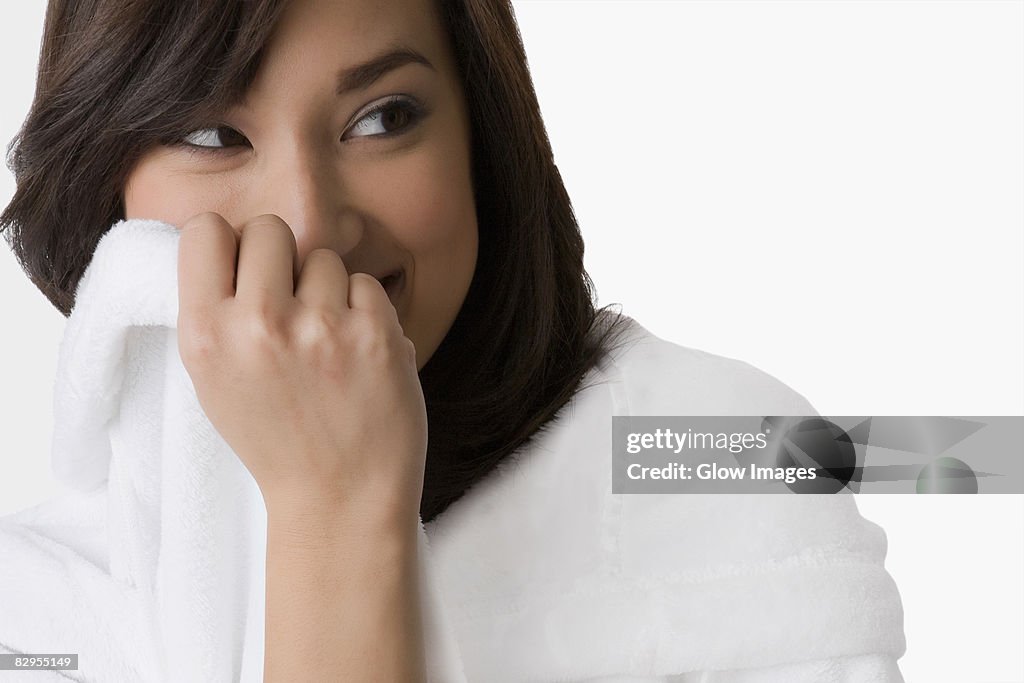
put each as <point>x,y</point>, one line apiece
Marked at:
<point>388,190</point>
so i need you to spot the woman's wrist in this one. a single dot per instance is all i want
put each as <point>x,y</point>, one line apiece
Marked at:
<point>342,590</point>
<point>312,517</point>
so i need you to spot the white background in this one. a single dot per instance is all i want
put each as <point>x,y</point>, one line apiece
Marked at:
<point>831,191</point>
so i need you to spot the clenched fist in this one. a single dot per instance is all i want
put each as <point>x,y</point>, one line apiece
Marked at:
<point>305,372</point>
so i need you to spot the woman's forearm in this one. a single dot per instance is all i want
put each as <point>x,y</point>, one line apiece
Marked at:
<point>342,595</point>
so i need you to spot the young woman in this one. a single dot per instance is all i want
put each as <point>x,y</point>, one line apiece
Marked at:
<point>371,220</point>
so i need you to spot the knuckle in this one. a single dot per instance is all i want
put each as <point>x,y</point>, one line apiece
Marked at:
<point>197,231</point>
<point>329,257</point>
<point>270,227</point>
<point>269,220</point>
<point>317,328</point>
<point>324,252</point>
<point>378,344</point>
<point>363,279</point>
<point>364,284</point>
<point>264,330</point>
<point>205,220</point>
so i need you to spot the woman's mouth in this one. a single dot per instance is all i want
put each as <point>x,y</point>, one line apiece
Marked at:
<point>393,284</point>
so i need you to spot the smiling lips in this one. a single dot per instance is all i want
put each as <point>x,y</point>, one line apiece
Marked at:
<point>393,283</point>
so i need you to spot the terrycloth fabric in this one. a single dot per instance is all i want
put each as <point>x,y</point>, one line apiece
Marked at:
<point>178,592</point>
<point>154,570</point>
<point>550,577</point>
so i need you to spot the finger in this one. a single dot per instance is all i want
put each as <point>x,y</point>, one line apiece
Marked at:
<point>366,293</point>
<point>323,282</point>
<point>207,254</point>
<point>267,257</point>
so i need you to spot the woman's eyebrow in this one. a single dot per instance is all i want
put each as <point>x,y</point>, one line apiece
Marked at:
<point>361,76</point>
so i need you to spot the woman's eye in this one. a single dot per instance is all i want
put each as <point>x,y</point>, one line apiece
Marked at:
<point>215,138</point>
<point>391,118</point>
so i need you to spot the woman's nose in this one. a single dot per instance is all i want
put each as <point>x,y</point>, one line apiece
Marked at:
<point>307,194</point>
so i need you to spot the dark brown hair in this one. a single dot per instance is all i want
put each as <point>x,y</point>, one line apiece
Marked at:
<point>116,78</point>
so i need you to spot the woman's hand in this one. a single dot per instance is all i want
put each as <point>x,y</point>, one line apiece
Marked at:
<point>306,375</point>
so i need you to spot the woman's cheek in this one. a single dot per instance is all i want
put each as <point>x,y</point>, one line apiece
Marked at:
<point>158,190</point>
<point>429,214</point>
<point>429,201</point>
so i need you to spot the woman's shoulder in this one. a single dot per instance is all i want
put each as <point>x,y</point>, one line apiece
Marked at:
<point>543,563</point>
<point>655,376</point>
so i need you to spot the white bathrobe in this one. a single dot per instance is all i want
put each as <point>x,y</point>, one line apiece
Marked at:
<point>152,567</point>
